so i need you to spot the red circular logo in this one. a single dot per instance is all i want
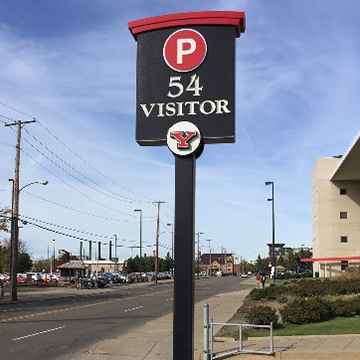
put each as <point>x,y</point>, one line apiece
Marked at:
<point>184,50</point>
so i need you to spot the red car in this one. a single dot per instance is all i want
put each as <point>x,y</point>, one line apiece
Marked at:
<point>21,279</point>
<point>6,278</point>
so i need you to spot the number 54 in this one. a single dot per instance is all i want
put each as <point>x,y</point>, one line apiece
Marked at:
<point>175,83</point>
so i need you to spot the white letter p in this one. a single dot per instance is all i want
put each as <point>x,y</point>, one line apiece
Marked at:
<point>181,51</point>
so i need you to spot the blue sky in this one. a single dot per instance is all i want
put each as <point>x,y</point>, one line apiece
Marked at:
<point>72,66</point>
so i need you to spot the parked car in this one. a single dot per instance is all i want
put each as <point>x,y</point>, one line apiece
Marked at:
<point>21,278</point>
<point>33,276</point>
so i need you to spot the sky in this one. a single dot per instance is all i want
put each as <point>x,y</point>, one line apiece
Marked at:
<point>72,66</point>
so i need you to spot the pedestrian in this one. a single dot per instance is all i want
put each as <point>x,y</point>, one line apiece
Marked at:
<point>1,289</point>
<point>258,280</point>
<point>263,280</point>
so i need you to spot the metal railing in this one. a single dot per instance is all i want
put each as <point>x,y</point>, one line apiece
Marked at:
<point>209,353</point>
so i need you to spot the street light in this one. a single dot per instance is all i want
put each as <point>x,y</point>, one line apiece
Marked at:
<point>198,257</point>
<point>54,266</point>
<point>15,232</point>
<point>272,199</point>
<point>209,241</point>
<point>140,262</point>
<point>172,248</point>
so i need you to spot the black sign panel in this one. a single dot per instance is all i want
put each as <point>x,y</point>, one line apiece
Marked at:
<point>186,74</point>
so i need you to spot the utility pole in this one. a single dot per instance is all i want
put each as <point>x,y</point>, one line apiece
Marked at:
<point>209,241</point>
<point>54,265</point>
<point>157,239</point>
<point>99,250</point>
<point>81,250</point>
<point>115,241</point>
<point>172,249</point>
<point>50,262</point>
<point>15,212</point>
<point>90,250</point>
<point>222,258</point>
<point>140,234</point>
<point>225,260</point>
<point>273,257</point>
<point>198,251</point>
<point>110,250</point>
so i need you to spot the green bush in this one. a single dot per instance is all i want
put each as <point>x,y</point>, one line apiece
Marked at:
<point>356,304</point>
<point>343,307</point>
<point>262,315</point>
<point>304,311</point>
<point>269,293</point>
<point>256,294</point>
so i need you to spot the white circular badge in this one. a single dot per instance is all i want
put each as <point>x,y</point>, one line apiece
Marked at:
<point>183,138</point>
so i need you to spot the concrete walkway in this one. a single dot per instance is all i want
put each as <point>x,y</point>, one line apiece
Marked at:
<point>315,347</point>
<point>154,339</point>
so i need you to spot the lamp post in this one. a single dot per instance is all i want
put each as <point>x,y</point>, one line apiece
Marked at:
<point>15,231</point>
<point>198,253</point>
<point>209,241</point>
<point>54,266</point>
<point>272,199</point>
<point>140,262</point>
<point>172,248</point>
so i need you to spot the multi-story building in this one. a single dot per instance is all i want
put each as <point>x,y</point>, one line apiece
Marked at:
<point>336,212</point>
<point>217,262</point>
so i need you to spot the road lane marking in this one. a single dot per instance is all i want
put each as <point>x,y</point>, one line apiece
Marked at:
<point>22,317</point>
<point>133,309</point>
<point>38,333</point>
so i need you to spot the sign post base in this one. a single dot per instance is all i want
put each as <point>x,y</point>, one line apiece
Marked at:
<point>184,284</point>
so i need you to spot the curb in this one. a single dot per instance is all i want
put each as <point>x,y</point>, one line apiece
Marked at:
<point>304,337</point>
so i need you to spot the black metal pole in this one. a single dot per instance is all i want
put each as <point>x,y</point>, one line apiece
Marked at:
<point>184,284</point>
<point>273,232</point>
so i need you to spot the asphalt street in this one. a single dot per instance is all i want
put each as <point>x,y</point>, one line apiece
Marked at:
<point>52,324</point>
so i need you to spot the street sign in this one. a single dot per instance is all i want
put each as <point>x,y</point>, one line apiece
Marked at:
<point>186,98</point>
<point>185,71</point>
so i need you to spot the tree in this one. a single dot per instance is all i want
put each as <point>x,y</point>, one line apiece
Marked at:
<point>292,262</point>
<point>41,265</point>
<point>24,262</point>
<point>262,264</point>
<point>148,264</point>
<point>4,219</point>
<point>281,261</point>
<point>305,254</point>
<point>248,267</point>
<point>24,257</point>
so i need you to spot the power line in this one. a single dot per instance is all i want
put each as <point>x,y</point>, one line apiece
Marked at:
<point>16,110</point>
<point>70,229</point>
<point>77,171</point>
<point>80,192</point>
<point>3,142</point>
<point>25,221</point>
<point>73,176</point>
<point>83,212</point>
<point>91,166</point>
<point>73,152</point>
<point>7,118</point>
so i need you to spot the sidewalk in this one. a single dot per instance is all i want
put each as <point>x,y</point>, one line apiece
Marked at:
<point>154,339</point>
<point>313,347</point>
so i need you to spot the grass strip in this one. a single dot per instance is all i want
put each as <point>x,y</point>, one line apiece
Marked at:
<point>338,326</point>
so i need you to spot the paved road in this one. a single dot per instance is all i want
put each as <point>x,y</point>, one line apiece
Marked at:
<point>66,324</point>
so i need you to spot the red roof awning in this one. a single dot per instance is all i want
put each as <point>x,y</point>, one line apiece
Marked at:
<point>339,258</point>
<point>235,18</point>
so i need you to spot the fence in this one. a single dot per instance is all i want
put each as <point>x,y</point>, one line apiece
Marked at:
<point>209,353</point>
